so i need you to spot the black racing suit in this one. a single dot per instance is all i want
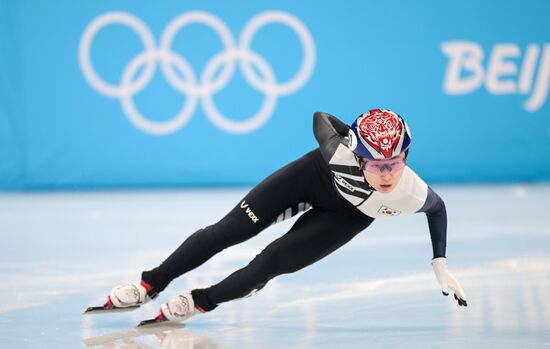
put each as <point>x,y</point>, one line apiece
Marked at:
<point>331,222</point>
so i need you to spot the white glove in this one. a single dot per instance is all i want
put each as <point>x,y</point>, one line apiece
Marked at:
<point>447,281</point>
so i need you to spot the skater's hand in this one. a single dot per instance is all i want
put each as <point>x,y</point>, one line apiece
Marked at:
<point>447,281</point>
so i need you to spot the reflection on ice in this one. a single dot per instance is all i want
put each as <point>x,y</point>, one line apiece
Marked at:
<point>165,337</point>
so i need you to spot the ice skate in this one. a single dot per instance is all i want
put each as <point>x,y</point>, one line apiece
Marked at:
<point>175,310</point>
<point>124,298</point>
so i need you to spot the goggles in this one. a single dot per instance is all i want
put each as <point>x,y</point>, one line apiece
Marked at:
<point>380,167</point>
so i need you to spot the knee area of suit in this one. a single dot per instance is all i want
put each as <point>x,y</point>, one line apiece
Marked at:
<point>226,232</point>
<point>211,237</point>
<point>271,262</point>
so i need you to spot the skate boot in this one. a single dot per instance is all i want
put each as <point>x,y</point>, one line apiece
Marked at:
<point>125,298</point>
<point>129,295</point>
<point>177,309</point>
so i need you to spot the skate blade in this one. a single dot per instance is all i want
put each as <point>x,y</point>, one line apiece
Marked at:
<point>102,309</point>
<point>153,322</point>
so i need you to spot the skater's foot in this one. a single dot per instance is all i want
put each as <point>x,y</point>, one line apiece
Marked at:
<point>179,308</point>
<point>128,295</point>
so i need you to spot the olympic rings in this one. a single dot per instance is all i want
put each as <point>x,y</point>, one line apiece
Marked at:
<point>187,82</point>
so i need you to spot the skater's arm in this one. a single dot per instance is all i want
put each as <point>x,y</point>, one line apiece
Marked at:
<point>329,132</point>
<point>434,207</point>
<point>437,221</point>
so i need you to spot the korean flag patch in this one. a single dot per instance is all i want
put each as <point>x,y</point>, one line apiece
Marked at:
<point>387,211</point>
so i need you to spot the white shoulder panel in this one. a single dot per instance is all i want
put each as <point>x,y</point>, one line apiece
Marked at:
<point>343,156</point>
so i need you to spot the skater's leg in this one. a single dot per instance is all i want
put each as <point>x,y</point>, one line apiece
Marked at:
<point>315,234</point>
<point>292,185</point>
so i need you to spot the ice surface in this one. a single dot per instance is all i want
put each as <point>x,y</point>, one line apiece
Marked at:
<point>63,251</point>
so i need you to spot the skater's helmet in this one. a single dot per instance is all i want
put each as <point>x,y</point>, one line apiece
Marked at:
<point>379,134</point>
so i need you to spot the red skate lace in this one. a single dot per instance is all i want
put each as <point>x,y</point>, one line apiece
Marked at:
<point>160,317</point>
<point>108,304</point>
<point>148,287</point>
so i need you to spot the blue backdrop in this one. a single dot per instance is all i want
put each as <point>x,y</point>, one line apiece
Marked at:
<point>142,93</point>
